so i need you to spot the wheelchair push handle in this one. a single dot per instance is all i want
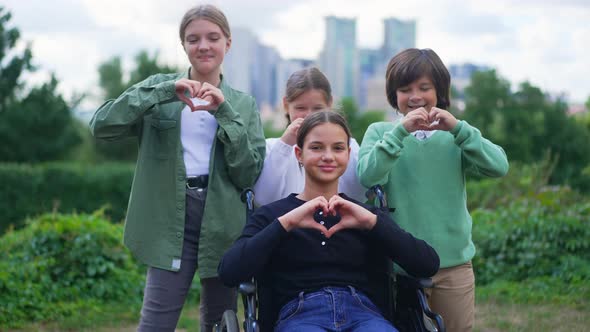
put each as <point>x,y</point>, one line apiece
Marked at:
<point>247,197</point>
<point>377,192</point>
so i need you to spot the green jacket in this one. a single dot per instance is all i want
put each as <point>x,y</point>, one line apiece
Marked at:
<point>154,227</point>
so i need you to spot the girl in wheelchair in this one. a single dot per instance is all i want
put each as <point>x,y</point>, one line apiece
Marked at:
<point>320,253</point>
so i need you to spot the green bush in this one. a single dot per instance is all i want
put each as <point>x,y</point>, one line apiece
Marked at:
<point>542,234</point>
<point>29,190</point>
<point>521,180</point>
<point>60,264</point>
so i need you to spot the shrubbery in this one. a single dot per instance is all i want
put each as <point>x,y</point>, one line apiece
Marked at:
<point>532,240</point>
<point>540,235</point>
<point>28,191</point>
<point>59,264</point>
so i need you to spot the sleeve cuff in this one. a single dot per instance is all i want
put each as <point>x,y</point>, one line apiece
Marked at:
<point>282,148</point>
<point>224,113</point>
<point>400,132</point>
<point>455,131</point>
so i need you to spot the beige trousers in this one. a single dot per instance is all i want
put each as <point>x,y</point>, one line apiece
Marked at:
<point>453,297</point>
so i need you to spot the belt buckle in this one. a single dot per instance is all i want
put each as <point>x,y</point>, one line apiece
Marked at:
<point>200,186</point>
<point>189,186</point>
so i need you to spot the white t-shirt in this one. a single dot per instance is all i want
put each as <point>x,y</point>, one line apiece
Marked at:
<point>197,132</point>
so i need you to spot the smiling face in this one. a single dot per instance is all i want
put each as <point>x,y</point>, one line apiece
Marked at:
<point>313,100</point>
<point>325,153</point>
<point>419,93</point>
<point>206,46</point>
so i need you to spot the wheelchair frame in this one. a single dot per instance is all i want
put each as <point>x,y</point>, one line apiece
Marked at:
<point>408,307</point>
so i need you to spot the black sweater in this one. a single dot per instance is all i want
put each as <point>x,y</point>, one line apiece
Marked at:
<point>305,260</point>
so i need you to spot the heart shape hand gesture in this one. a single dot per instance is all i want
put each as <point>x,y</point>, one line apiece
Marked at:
<point>353,216</point>
<point>209,96</point>
<point>436,119</point>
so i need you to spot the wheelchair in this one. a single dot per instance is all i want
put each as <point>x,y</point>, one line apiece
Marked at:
<point>404,302</point>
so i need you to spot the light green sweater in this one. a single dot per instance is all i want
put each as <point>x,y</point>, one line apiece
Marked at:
<point>425,181</point>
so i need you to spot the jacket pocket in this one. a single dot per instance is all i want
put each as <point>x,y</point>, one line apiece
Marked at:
<point>161,138</point>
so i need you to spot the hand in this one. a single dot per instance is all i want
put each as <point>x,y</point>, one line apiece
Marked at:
<point>417,119</point>
<point>290,134</point>
<point>302,217</point>
<point>441,120</point>
<point>197,89</point>
<point>212,94</point>
<point>353,216</point>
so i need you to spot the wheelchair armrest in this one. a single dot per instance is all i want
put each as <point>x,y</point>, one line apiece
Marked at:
<point>436,318</point>
<point>416,282</point>
<point>247,288</point>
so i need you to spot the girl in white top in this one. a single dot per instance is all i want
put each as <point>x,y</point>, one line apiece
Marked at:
<point>308,90</point>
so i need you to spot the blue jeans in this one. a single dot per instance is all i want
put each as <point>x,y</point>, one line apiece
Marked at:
<point>332,309</point>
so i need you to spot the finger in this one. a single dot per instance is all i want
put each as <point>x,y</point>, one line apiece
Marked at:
<point>196,87</point>
<point>186,100</point>
<point>204,88</point>
<point>334,203</point>
<point>323,204</point>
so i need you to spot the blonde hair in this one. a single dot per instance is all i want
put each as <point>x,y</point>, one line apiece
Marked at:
<point>206,12</point>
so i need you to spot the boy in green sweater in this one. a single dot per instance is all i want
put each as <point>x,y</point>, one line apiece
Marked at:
<point>421,161</point>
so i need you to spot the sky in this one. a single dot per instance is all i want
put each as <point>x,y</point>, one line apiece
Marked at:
<point>544,42</point>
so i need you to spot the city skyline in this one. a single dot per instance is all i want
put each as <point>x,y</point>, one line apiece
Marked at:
<point>528,42</point>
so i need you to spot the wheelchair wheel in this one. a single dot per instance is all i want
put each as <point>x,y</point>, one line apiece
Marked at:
<point>229,322</point>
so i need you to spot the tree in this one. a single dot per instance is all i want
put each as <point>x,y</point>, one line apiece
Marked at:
<point>358,122</point>
<point>112,84</point>
<point>486,99</point>
<point>10,68</point>
<point>111,75</point>
<point>36,125</point>
<point>528,124</point>
<point>110,80</point>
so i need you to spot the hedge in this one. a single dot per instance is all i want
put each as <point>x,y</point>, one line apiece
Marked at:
<point>30,190</point>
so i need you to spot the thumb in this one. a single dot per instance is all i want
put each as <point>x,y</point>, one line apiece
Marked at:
<point>186,100</point>
<point>334,229</point>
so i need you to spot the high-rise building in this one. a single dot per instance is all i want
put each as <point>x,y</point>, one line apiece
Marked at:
<point>339,58</point>
<point>264,75</point>
<point>369,63</point>
<point>398,36</point>
<point>250,67</point>
<point>239,63</point>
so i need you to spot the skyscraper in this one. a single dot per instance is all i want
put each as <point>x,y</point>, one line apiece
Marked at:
<point>238,65</point>
<point>339,59</point>
<point>398,36</point>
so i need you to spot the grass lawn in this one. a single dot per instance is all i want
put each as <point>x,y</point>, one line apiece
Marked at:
<point>494,317</point>
<point>490,316</point>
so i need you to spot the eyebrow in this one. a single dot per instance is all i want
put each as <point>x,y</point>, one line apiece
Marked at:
<point>208,34</point>
<point>320,142</point>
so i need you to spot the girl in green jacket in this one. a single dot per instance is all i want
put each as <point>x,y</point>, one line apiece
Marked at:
<point>421,160</point>
<point>200,143</point>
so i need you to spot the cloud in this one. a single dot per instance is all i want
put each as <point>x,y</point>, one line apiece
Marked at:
<point>538,40</point>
